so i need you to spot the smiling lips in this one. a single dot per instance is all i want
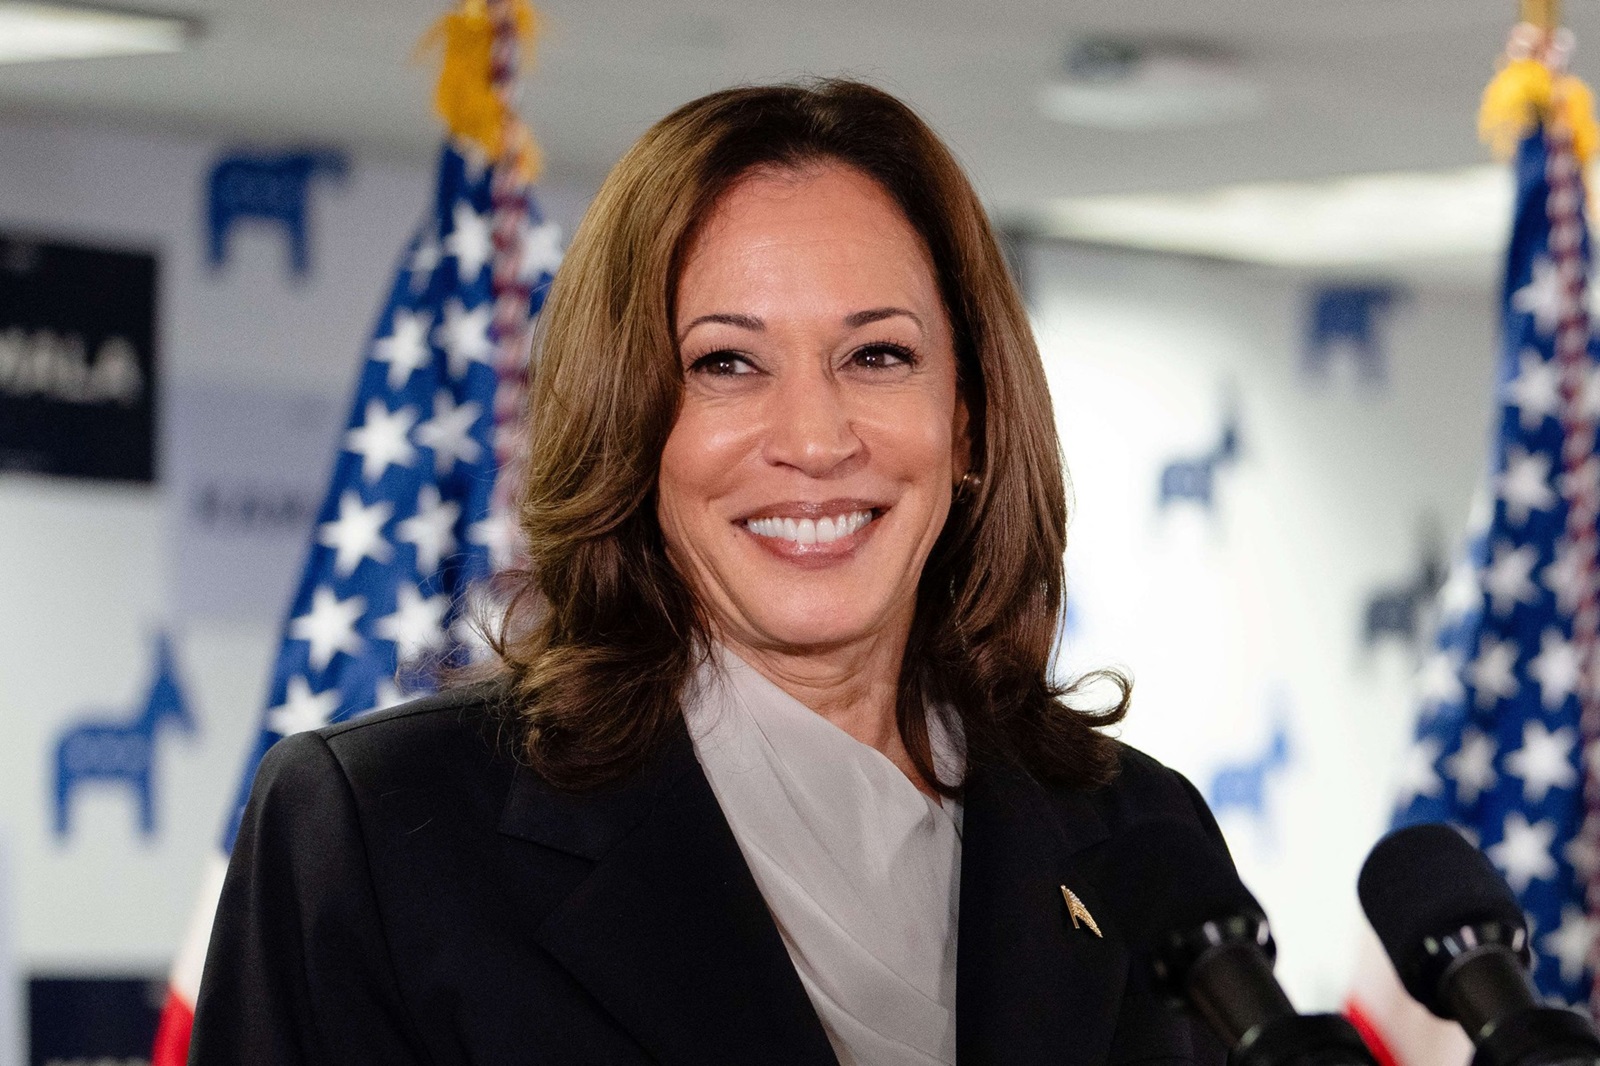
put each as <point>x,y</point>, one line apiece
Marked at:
<point>812,529</point>
<point>824,530</point>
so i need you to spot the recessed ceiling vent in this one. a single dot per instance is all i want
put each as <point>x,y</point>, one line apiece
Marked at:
<point>1128,84</point>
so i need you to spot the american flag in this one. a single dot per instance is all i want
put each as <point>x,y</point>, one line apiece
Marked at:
<point>407,536</point>
<point>1509,692</point>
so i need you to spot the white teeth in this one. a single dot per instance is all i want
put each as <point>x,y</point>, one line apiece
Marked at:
<point>807,531</point>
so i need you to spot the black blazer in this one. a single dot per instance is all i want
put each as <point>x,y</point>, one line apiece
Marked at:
<point>404,892</point>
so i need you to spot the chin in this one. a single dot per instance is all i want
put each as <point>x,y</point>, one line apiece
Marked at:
<point>813,629</point>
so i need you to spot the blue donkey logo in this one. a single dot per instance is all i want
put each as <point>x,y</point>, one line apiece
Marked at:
<point>123,752</point>
<point>1242,785</point>
<point>268,188</point>
<point>1194,479</point>
<point>1347,318</point>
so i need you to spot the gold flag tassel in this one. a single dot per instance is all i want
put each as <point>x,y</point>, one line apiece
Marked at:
<point>470,98</point>
<point>1533,88</point>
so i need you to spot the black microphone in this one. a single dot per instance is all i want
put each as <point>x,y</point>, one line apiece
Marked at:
<point>1456,937</point>
<point>1176,898</point>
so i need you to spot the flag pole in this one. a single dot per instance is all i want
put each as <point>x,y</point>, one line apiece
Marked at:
<point>1545,14</point>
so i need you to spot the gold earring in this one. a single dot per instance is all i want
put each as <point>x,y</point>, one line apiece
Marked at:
<point>969,484</point>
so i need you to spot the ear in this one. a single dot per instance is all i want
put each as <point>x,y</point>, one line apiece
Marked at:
<point>960,438</point>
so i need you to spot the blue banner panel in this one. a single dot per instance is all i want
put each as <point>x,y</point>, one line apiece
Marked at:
<point>79,1021</point>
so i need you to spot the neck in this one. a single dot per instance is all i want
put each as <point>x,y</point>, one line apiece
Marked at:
<point>854,686</point>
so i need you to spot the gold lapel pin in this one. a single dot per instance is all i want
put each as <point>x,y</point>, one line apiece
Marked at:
<point>1077,911</point>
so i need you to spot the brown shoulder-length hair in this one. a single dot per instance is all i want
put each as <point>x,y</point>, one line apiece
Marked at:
<point>603,633</point>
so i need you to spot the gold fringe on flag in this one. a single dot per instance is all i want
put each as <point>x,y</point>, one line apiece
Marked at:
<point>473,106</point>
<point>1526,93</point>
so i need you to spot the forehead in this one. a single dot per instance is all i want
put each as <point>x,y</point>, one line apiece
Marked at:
<point>828,227</point>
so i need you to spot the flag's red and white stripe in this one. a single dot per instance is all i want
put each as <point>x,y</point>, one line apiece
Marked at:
<point>183,985</point>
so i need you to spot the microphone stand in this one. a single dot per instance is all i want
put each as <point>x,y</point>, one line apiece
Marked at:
<point>1224,970</point>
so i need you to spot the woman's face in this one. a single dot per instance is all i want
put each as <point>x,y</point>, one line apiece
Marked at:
<point>811,465</point>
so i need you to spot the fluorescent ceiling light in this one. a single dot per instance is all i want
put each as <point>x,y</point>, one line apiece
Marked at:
<point>32,32</point>
<point>1353,221</point>
<point>1141,85</point>
<point>1150,106</point>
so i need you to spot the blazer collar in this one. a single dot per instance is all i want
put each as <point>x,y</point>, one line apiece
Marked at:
<point>669,931</point>
<point>1031,988</point>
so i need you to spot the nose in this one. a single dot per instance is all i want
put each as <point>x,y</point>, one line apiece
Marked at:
<point>809,423</point>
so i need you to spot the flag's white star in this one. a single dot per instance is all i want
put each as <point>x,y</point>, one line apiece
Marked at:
<point>431,531</point>
<point>302,709</point>
<point>1572,943</point>
<point>1461,593</point>
<point>1544,761</point>
<point>417,624</point>
<point>464,336</point>
<point>1509,579</point>
<point>1525,486</point>
<point>449,433</point>
<point>383,439</point>
<point>1582,855</point>
<point>1472,767</point>
<point>406,347</point>
<point>1440,680</point>
<point>479,614</point>
<point>1493,672</point>
<point>470,241</point>
<point>499,534</point>
<point>1523,854</point>
<point>388,695</point>
<point>1536,390</point>
<point>423,261</point>
<point>1556,668</point>
<point>1418,776</point>
<point>1564,575</point>
<point>1542,297</point>
<point>330,626</point>
<point>357,533</point>
<point>541,251</point>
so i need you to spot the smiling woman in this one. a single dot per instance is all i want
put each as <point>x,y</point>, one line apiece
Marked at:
<point>801,306</point>
<point>772,768</point>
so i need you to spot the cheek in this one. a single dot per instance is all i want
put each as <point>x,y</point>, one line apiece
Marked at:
<point>696,465</point>
<point>914,439</point>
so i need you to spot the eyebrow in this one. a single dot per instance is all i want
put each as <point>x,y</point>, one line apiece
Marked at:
<point>855,320</point>
<point>878,314</point>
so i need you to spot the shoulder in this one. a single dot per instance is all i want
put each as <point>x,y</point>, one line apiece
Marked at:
<point>459,739</point>
<point>1145,789</point>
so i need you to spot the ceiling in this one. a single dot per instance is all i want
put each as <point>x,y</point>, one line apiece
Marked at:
<point>1352,85</point>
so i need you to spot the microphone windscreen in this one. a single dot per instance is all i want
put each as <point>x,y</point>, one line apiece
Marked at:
<point>1425,881</point>
<point>1163,878</point>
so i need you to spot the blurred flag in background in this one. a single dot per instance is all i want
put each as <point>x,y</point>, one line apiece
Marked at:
<point>414,521</point>
<point>1510,702</point>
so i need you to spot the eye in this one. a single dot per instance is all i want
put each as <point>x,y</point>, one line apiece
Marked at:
<point>883,355</point>
<point>721,364</point>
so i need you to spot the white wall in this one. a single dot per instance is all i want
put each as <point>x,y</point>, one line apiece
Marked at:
<point>1218,616</point>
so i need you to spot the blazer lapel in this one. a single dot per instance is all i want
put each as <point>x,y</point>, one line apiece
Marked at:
<point>1031,988</point>
<point>669,931</point>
